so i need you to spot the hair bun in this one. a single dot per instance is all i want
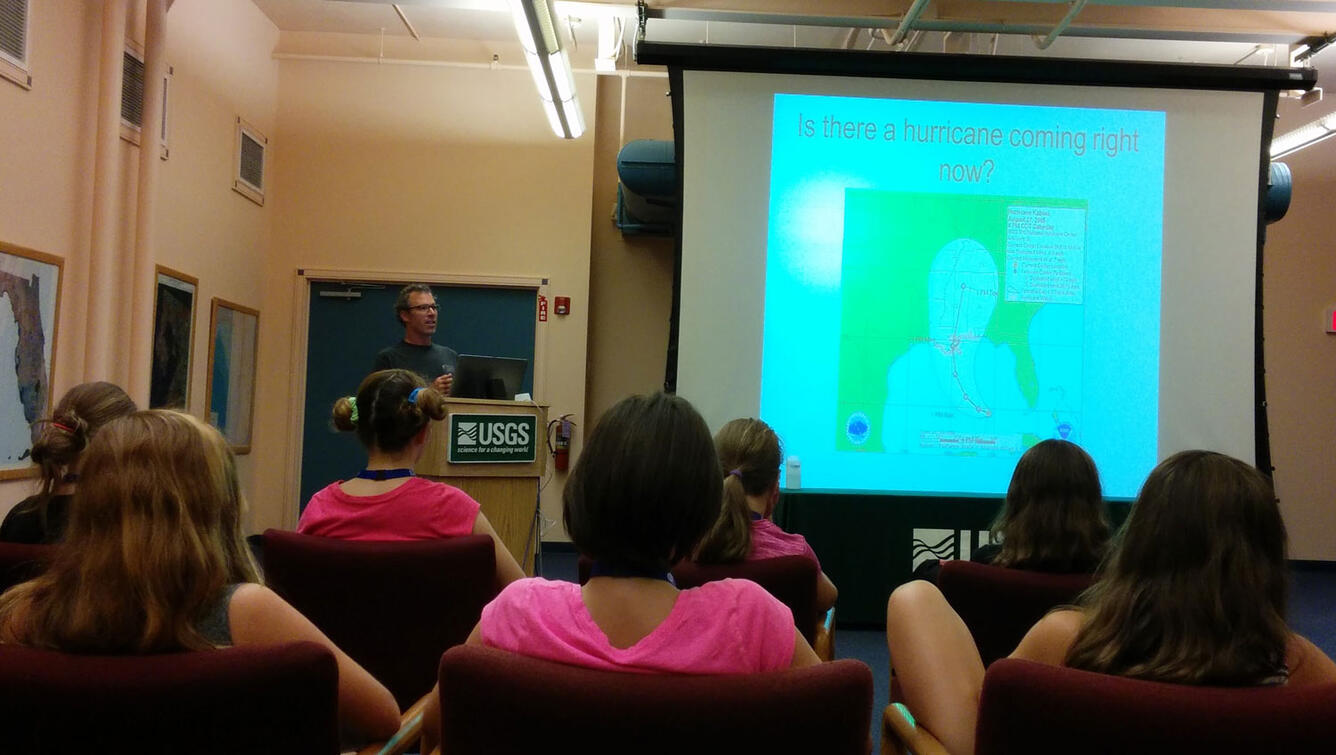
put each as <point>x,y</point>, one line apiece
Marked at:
<point>74,426</point>
<point>345,413</point>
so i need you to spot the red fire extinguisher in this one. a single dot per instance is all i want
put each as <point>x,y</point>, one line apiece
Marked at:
<point>559,433</point>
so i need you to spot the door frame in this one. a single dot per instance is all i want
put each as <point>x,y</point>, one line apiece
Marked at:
<point>301,316</point>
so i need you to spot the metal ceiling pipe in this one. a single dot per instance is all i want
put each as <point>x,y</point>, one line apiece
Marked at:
<point>907,22</point>
<point>1074,8</point>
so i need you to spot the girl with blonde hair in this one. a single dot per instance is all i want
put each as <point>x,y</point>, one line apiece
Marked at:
<point>154,560</point>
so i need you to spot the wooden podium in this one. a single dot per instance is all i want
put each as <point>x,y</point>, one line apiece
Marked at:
<point>507,490</point>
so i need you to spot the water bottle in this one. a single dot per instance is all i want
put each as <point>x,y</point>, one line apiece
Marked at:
<point>793,473</point>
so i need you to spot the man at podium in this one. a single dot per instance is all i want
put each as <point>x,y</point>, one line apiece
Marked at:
<point>416,309</point>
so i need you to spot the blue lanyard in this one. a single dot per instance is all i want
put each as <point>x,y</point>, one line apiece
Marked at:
<point>384,474</point>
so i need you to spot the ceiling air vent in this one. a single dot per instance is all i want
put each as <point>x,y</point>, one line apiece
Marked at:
<point>251,146</point>
<point>14,42</point>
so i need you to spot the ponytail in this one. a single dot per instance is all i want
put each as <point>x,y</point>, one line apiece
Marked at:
<point>729,541</point>
<point>750,451</point>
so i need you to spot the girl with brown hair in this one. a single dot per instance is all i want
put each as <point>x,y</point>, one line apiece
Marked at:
<point>1053,518</point>
<point>1194,592</point>
<point>80,413</point>
<point>750,454</point>
<point>391,414</point>
<point>153,560</point>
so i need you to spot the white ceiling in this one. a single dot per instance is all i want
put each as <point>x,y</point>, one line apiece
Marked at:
<point>1205,31</point>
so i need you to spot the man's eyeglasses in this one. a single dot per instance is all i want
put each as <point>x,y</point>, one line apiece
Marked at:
<point>425,308</point>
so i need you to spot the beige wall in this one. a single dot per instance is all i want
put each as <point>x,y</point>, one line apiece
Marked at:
<point>630,277</point>
<point>440,170</point>
<point>221,55</point>
<point>1299,271</point>
<point>46,168</point>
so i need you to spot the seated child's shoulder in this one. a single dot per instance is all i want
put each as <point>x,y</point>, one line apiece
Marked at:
<point>737,594</point>
<point>1051,637</point>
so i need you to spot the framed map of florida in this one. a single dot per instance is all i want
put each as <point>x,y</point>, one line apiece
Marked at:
<point>29,299</point>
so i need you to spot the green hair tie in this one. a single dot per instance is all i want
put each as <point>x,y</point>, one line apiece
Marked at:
<point>352,401</point>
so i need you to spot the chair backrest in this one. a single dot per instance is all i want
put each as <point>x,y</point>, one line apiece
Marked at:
<point>254,699</point>
<point>1035,708</point>
<point>498,702</point>
<point>394,607</point>
<point>999,605</point>
<point>21,562</point>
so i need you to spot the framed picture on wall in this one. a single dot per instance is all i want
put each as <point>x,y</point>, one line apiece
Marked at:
<point>230,393</point>
<point>29,302</point>
<point>173,339</point>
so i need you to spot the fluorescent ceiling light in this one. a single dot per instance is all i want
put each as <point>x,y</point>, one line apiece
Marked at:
<point>536,27</point>
<point>1304,136</point>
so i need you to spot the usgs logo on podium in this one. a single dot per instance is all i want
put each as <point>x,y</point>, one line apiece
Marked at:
<point>493,438</point>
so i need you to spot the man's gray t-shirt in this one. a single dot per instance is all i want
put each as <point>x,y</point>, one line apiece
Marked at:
<point>428,361</point>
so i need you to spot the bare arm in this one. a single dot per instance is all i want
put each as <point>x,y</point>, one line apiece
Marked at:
<point>507,568</point>
<point>803,655</point>
<point>826,593</point>
<point>1308,664</point>
<point>1050,638</point>
<point>475,637</point>
<point>258,616</point>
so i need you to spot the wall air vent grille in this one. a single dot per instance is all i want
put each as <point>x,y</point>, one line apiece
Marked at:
<point>252,161</point>
<point>14,30</point>
<point>251,146</point>
<point>132,89</point>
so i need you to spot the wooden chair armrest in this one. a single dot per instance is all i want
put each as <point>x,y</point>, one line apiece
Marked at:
<point>410,732</point>
<point>901,735</point>
<point>824,642</point>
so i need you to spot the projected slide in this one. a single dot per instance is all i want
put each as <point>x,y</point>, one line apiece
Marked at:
<point>988,275</point>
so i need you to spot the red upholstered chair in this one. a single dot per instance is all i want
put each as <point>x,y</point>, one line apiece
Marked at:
<point>999,605</point>
<point>20,562</point>
<point>791,579</point>
<point>394,607</point>
<point>277,698</point>
<point>497,702</point>
<point>1035,708</point>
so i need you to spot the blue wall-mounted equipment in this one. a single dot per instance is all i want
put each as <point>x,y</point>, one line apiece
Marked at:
<point>1279,189</point>
<point>647,189</point>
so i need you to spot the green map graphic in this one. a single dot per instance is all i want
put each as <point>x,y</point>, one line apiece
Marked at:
<point>891,240</point>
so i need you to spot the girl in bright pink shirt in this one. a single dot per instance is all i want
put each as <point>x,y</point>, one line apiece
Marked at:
<point>644,491</point>
<point>750,452</point>
<point>391,414</point>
